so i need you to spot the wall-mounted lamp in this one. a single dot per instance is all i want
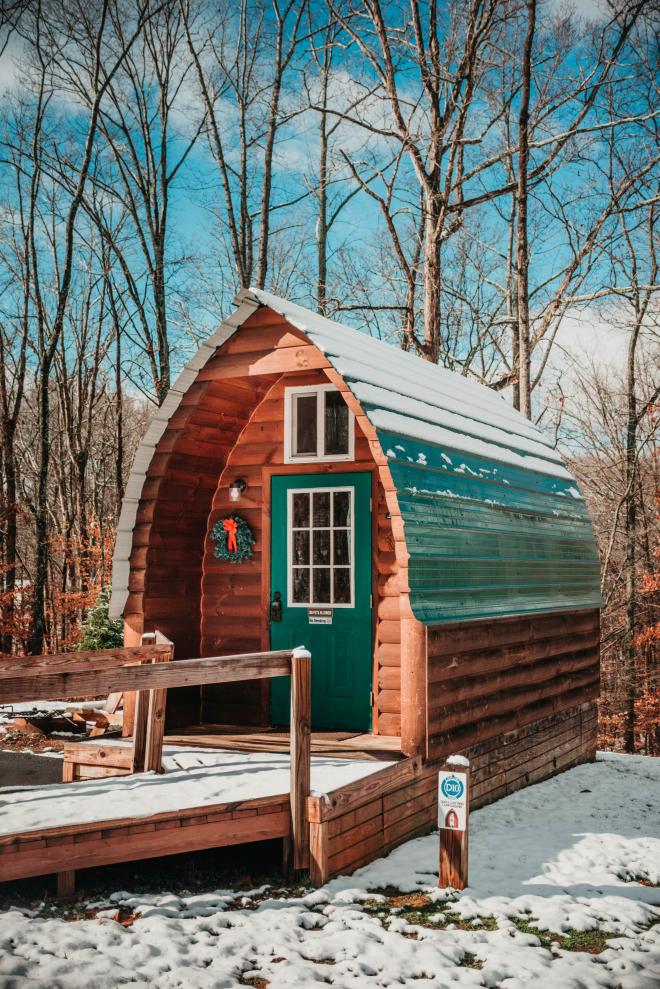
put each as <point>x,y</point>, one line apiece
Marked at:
<point>237,488</point>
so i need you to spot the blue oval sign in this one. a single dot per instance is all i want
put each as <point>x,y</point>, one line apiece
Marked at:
<point>452,788</point>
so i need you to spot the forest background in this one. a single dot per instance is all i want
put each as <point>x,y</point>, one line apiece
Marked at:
<point>473,180</point>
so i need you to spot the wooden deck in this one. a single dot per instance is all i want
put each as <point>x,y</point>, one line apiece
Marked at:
<point>348,826</point>
<point>339,744</point>
<point>82,846</point>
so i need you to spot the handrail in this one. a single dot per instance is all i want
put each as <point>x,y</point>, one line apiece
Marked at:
<point>146,669</point>
<point>98,678</point>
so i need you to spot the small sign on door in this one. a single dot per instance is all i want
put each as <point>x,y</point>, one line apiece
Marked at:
<point>452,801</point>
<point>319,616</point>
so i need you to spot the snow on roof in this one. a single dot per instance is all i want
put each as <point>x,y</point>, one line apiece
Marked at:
<point>414,398</point>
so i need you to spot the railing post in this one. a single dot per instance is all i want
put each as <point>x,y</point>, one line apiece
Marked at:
<point>153,755</point>
<point>301,719</point>
<point>149,719</point>
<point>136,707</point>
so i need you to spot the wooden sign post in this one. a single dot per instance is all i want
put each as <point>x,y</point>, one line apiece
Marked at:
<point>453,818</point>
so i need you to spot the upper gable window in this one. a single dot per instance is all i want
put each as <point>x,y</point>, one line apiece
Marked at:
<point>318,425</point>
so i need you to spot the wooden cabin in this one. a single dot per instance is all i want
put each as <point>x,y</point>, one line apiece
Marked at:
<point>420,537</point>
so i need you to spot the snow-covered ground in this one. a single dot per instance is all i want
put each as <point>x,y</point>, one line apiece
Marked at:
<point>560,857</point>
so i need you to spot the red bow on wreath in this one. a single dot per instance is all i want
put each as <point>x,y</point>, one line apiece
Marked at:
<point>230,527</point>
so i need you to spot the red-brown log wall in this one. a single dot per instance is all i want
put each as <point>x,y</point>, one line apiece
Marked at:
<point>485,679</point>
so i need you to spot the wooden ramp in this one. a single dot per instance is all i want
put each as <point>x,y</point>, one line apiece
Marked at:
<point>379,806</point>
<point>369,800</point>
<point>82,846</point>
<point>35,842</point>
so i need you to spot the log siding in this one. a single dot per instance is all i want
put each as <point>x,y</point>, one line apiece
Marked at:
<point>485,679</point>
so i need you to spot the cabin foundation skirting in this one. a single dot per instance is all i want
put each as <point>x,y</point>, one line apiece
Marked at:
<point>405,810</point>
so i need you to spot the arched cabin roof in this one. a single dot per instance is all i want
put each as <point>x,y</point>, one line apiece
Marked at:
<point>493,521</point>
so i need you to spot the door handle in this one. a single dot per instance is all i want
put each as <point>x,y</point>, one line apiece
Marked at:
<point>276,607</point>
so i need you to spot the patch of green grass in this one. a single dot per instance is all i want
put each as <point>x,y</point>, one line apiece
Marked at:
<point>593,942</point>
<point>471,961</point>
<point>418,909</point>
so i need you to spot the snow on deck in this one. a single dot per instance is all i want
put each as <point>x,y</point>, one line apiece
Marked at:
<point>192,778</point>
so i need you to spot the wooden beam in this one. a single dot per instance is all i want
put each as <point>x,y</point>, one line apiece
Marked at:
<point>100,659</point>
<point>131,839</point>
<point>183,673</point>
<point>318,838</point>
<point>301,716</point>
<point>301,358</point>
<point>140,729</point>
<point>66,883</point>
<point>413,685</point>
<point>260,805</point>
<point>96,753</point>
<point>352,795</point>
<point>153,754</point>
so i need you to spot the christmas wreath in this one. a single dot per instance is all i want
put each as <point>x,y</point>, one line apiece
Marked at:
<point>233,539</point>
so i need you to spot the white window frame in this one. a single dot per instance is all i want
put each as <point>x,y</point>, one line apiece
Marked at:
<point>289,548</point>
<point>290,424</point>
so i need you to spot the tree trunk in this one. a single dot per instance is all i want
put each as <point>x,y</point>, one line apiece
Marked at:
<point>432,279</point>
<point>38,630</point>
<point>522,244</point>
<point>119,419</point>
<point>9,558</point>
<point>322,220</point>
<point>630,545</point>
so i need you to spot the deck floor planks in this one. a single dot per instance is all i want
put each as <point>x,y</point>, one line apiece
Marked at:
<point>346,745</point>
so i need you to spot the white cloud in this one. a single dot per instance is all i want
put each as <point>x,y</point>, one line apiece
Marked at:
<point>10,66</point>
<point>589,335</point>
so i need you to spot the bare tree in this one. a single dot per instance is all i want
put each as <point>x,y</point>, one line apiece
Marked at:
<point>14,329</point>
<point>242,61</point>
<point>56,35</point>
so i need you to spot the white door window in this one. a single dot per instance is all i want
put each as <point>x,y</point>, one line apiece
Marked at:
<point>320,547</point>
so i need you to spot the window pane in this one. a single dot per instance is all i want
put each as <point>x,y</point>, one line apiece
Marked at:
<point>300,585</point>
<point>301,547</point>
<point>336,423</point>
<point>342,546</point>
<point>321,547</point>
<point>300,510</point>
<point>342,585</point>
<point>321,585</point>
<point>342,508</point>
<point>305,425</point>
<point>321,510</point>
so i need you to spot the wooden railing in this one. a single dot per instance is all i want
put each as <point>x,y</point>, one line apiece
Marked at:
<point>147,670</point>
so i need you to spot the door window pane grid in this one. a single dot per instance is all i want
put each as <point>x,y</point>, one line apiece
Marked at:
<point>321,547</point>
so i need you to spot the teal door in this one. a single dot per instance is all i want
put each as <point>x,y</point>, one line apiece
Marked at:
<point>321,574</point>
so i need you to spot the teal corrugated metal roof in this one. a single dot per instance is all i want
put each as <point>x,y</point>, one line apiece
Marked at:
<point>494,522</point>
